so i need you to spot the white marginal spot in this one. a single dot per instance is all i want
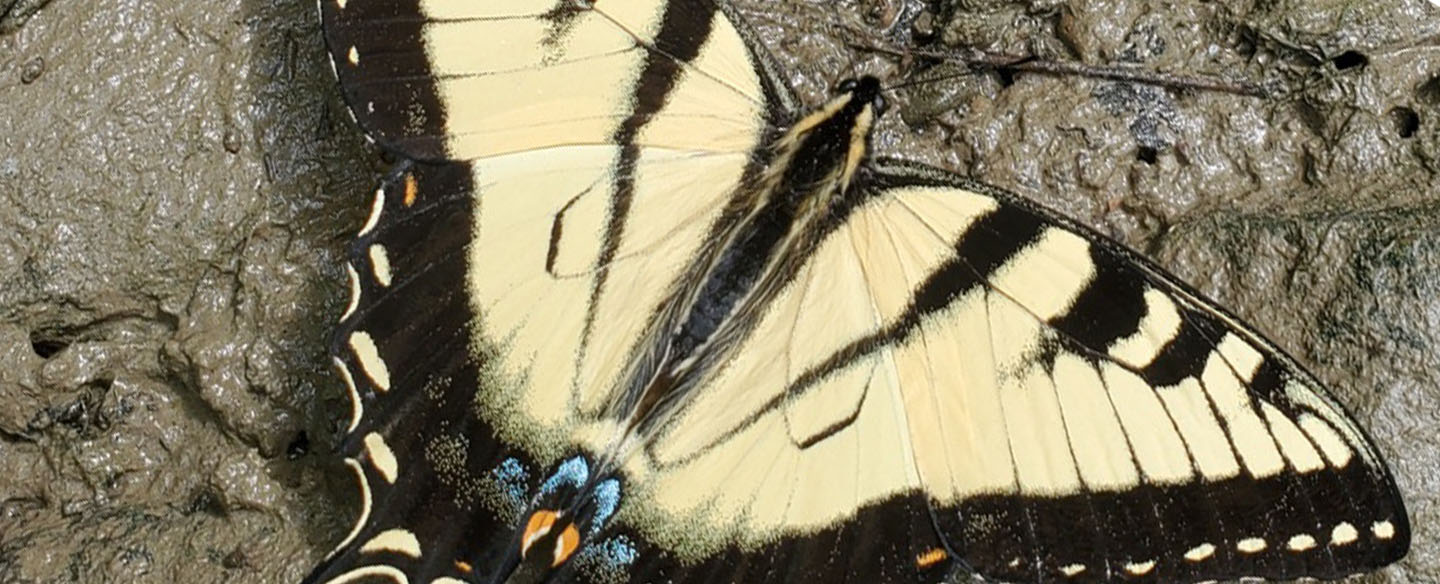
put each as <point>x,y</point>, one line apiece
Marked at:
<point>380,264</point>
<point>359,574</point>
<point>353,56</point>
<point>1015,563</point>
<point>365,505</point>
<point>341,3</point>
<point>357,407</point>
<point>376,207</point>
<point>1343,534</point>
<point>1200,552</point>
<point>1329,441</point>
<point>369,356</point>
<point>1251,545</point>
<point>1300,543</point>
<point>447,580</point>
<point>354,279</point>
<point>1072,570</point>
<point>1383,530</point>
<point>398,541</point>
<point>382,457</point>
<point>1140,568</point>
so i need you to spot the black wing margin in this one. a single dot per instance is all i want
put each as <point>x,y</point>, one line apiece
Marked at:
<point>391,91</point>
<point>435,484</point>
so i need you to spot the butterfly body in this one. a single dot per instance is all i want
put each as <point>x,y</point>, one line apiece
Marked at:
<point>628,313</point>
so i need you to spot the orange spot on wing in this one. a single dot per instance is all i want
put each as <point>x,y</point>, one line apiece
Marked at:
<point>411,189</point>
<point>931,557</point>
<point>463,567</point>
<point>569,540</point>
<point>539,525</point>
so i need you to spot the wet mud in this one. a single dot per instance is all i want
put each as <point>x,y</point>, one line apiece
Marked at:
<point>178,181</point>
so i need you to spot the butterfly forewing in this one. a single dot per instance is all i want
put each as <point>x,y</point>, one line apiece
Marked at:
<point>1188,449</point>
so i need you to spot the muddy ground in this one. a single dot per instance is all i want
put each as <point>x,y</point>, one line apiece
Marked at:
<point>178,179</point>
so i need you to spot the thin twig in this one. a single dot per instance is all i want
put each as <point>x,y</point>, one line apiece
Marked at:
<point>1063,69</point>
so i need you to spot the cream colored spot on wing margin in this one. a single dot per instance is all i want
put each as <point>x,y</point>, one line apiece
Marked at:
<point>368,354</point>
<point>357,407</point>
<point>400,541</point>
<point>1343,534</point>
<point>380,264</point>
<point>1200,552</point>
<point>390,572</point>
<point>382,457</point>
<point>353,278</point>
<point>1140,568</point>
<point>376,207</point>
<point>1251,545</point>
<point>366,503</point>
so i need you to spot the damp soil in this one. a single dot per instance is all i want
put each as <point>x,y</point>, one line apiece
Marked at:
<point>178,181</point>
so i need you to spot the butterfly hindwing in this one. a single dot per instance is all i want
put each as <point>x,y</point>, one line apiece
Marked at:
<point>421,456</point>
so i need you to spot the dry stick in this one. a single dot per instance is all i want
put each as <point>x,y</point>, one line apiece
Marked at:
<point>1059,68</point>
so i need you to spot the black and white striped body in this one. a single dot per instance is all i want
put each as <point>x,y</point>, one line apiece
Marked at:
<point>635,316</point>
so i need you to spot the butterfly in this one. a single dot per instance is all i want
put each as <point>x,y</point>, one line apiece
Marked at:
<point>628,312</point>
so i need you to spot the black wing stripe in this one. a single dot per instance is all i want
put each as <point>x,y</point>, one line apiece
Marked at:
<point>1109,308</point>
<point>683,31</point>
<point>985,247</point>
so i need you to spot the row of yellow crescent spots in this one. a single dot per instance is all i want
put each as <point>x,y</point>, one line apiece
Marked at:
<point>381,457</point>
<point>1343,534</point>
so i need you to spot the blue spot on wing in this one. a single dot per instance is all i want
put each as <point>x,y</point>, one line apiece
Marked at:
<point>512,477</point>
<point>607,499</point>
<point>573,472</point>
<point>608,560</point>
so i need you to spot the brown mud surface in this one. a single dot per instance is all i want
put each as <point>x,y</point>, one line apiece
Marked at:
<point>178,180</point>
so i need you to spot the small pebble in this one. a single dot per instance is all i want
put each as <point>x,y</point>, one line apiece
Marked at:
<point>231,141</point>
<point>31,70</point>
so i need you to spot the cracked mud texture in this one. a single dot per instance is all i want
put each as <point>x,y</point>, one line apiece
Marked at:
<point>178,180</point>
